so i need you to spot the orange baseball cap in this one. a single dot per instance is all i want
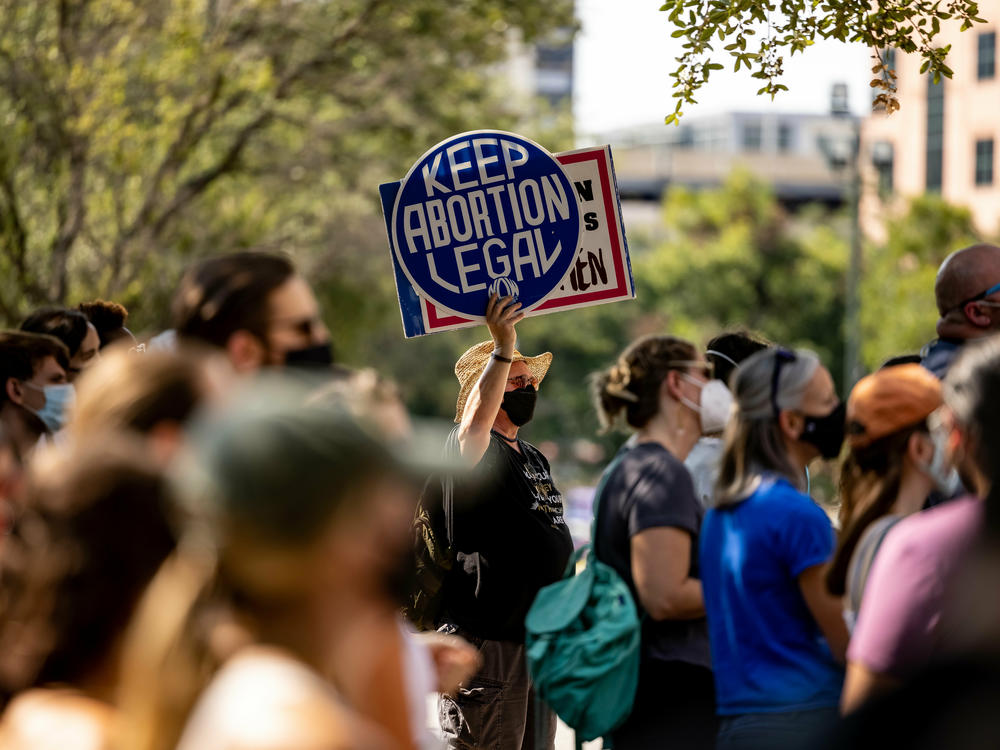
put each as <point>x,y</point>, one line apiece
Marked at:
<point>889,400</point>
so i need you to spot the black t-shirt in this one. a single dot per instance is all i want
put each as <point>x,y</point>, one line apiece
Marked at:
<point>649,488</point>
<point>511,539</point>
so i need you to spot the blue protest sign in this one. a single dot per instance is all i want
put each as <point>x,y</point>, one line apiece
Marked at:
<point>483,212</point>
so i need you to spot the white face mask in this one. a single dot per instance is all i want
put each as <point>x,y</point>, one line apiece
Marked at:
<point>715,407</point>
<point>942,473</point>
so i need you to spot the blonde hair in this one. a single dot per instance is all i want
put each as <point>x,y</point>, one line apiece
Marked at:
<point>753,441</point>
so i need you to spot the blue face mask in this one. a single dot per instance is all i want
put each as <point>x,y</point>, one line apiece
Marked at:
<point>58,401</point>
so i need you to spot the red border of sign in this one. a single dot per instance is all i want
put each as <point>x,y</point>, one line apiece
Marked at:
<point>609,207</point>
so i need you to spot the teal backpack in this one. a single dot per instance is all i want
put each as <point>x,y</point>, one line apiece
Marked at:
<point>582,642</point>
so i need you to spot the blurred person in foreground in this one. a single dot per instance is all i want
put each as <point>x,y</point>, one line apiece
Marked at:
<point>36,395</point>
<point>952,703</point>
<point>725,352</point>
<point>152,395</point>
<point>281,588</point>
<point>73,329</point>
<point>777,635</point>
<point>647,525</point>
<point>967,292</point>
<point>92,530</point>
<point>900,627</point>
<point>510,538</point>
<point>11,478</point>
<point>256,308</point>
<point>427,662</point>
<point>108,318</point>
<point>893,463</point>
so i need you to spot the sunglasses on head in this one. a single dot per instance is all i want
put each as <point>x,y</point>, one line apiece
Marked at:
<point>781,358</point>
<point>982,295</point>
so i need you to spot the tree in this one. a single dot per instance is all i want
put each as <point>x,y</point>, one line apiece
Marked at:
<point>141,133</point>
<point>735,258</point>
<point>793,25</point>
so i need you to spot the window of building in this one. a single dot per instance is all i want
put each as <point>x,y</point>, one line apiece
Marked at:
<point>984,162</point>
<point>935,134</point>
<point>752,136</point>
<point>786,137</point>
<point>889,57</point>
<point>883,158</point>
<point>986,67</point>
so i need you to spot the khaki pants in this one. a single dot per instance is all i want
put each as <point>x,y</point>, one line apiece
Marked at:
<point>496,709</point>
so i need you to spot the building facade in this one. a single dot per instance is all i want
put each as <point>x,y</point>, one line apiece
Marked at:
<point>801,155</point>
<point>945,136</point>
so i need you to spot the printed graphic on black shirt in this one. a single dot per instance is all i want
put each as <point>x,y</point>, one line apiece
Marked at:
<point>547,498</point>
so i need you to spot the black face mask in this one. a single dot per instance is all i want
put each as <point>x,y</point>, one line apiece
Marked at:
<point>826,433</point>
<point>317,356</point>
<point>520,404</point>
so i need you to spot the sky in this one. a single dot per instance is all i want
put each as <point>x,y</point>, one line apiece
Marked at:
<point>624,55</point>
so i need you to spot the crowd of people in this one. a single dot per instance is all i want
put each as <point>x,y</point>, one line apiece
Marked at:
<point>220,539</point>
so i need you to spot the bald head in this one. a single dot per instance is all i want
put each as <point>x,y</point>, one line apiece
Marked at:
<point>964,274</point>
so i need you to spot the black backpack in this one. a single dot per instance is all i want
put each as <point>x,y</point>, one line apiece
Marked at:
<point>433,532</point>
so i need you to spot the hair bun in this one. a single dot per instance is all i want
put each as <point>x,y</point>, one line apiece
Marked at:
<point>619,376</point>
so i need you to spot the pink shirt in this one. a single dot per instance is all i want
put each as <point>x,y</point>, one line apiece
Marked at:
<point>897,631</point>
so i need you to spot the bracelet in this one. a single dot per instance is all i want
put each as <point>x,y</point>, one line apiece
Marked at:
<point>498,358</point>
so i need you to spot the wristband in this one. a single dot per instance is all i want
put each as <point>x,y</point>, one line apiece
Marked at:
<point>498,358</point>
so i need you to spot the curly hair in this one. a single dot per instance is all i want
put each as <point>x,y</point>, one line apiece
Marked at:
<point>108,318</point>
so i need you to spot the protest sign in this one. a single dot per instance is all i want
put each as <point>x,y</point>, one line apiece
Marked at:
<point>597,273</point>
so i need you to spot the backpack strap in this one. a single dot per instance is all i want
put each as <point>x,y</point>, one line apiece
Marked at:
<point>598,494</point>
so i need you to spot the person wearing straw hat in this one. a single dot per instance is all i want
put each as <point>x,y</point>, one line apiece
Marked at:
<point>510,539</point>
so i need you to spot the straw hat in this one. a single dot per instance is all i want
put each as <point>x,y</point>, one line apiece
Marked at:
<point>471,365</point>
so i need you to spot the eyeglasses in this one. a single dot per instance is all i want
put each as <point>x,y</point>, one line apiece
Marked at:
<point>983,295</point>
<point>311,326</point>
<point>705,369</point>
<point>523,381</point>
<point>781,358</point>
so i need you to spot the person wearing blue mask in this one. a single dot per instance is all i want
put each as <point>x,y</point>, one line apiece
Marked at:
<point>35,393</point>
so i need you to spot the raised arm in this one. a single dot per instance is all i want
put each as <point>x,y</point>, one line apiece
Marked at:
<point>487,394</point>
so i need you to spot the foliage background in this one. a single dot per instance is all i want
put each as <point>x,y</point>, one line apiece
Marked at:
<point>141,134</point>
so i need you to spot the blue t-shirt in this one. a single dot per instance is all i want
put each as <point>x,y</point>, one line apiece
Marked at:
<point>768,653</point>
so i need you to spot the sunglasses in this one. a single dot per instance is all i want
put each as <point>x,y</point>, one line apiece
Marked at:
<point>782,357</point>
<point>982,295</point>
<point>522,381</point>
<point>309,327</point>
